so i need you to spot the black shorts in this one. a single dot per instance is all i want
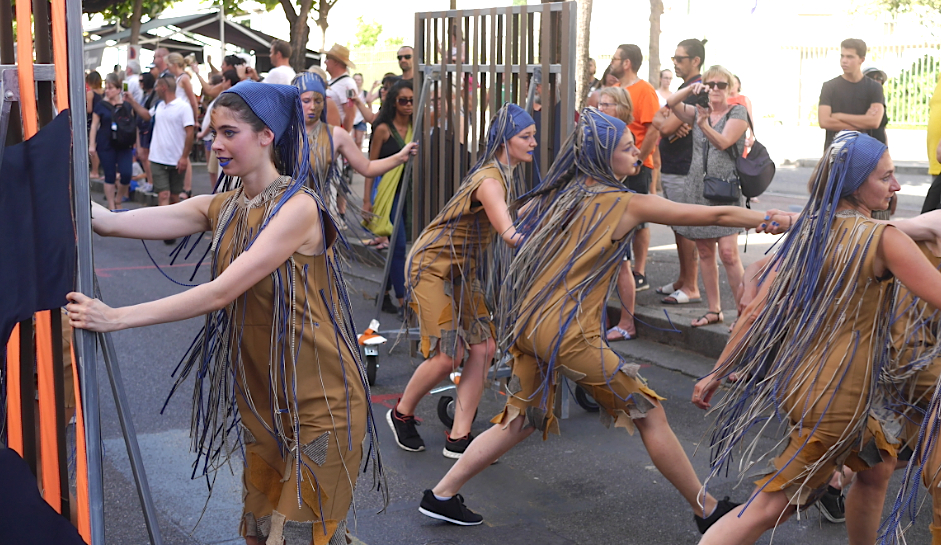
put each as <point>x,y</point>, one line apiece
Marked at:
<point>640,183</point>
<point>145,137</point>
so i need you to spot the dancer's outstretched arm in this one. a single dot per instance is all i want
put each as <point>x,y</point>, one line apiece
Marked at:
<point>156,222</point>
<point>925,227</point>
<point>295,228</point>
<point>655,209</point>
<point>344,145</point>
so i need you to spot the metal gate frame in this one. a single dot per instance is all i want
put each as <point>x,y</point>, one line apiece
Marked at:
<point>504,49</point>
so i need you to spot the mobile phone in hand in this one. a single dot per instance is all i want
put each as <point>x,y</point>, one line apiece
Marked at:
<point>125,86</point>
<point>351,93</point>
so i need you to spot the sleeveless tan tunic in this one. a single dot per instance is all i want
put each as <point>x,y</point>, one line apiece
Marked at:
<point>303,414</point>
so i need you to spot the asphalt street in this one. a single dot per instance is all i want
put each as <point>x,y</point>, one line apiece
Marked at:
<point>591,485</point>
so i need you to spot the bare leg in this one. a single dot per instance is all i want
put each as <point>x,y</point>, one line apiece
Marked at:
<point>483,451</point>
<point>627,294</point>
<point>710,273</point>
<point>864,503</point>
<point>426,376</point>
<point>639,248</point>
<point>471,386</point>
<point>188,179</point>
<point>122,192</point>
<point>689,272</point>
<point>668,455</point>
<point>728,253</point>
<point>163,198</point>
<point>95,163</point>
<point>767,510</point>
<point>144,154</point>
<point>109,194</point>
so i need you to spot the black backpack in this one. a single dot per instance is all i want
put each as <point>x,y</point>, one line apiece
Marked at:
<point>123,127</point>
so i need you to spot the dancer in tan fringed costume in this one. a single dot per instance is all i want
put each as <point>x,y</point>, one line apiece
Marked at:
<point>817,358</point>
<point>452,267</point>
<point>576,228</point>
<point>278,344</point>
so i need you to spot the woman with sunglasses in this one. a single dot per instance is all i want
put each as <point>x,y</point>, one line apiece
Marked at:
<point>718,137</point>
<point>391,133</point>
<point>453,266</point>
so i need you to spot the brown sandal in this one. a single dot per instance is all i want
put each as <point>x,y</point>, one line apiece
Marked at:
<point>709,321</point>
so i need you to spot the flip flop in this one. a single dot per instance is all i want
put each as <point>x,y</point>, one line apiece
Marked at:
<point>666,289</point>
<point>382,246</point>
<point>625,336</point>
<point>709,320</point>
<point>370,241</point>
<point>680,298</point>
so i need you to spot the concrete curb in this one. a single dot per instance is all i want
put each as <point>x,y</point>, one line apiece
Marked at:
<point>670,326</point>
<point>901,167</point>
<point>147,199</point>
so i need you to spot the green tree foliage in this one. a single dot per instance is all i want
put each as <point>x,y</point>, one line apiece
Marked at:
<point>367,34</point>
<point>395,42</point>
<point>903,6</point>
<point>907,95</point>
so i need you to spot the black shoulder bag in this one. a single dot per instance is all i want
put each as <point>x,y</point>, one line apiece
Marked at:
<point>714,188</point>
<point>755,171</point>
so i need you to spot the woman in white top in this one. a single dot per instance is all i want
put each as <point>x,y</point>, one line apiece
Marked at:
<point>663,91</point>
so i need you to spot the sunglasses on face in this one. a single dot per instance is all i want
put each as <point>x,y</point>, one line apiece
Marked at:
<point>679,58</point>
<point>400,57</point>
<point>404,101</point>
<point>720,85</point>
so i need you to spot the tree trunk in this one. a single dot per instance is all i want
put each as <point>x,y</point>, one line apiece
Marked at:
<point>300,33</point>
<point>135,21</point>
<point>582,76</point>
<point>322,12</point>
<point>653,63</point>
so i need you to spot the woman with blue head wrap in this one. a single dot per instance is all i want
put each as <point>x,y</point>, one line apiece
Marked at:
<point>277,375</point>
<point>450,272</point>
<point>326,142</point>
<point>577,227</point>
<point>817,348</point>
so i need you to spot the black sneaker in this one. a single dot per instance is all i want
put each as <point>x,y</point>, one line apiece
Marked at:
<point>723,506</point>
<point>831,505</point>
<point>452,510</point>
<point>403,427</point>
<point>640,282</point>
<point>454,448</point>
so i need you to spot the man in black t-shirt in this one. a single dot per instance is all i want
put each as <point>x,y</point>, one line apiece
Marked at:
<point>676,152</point>
<point>851,102</point>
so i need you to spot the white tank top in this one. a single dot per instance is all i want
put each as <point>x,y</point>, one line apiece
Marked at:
<point>180,92</point>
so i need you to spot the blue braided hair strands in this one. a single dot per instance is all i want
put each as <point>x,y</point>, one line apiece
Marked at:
<point>565,212</point>
<point>821,306</point>
<point>483,252</point>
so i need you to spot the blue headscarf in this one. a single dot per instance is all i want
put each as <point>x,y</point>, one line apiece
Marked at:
<point>311,82</point>
<point>597,138</point>
<point>509,121</point>
<point>853,157</point>
<point>279,108</point>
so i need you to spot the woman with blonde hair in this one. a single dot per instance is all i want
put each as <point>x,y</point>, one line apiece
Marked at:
<point>718,137</point>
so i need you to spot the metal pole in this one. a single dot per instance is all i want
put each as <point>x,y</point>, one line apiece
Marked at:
<point>403,190</point>
<point>85,345</point>
<point>130,438</point>
<point>222,30</point>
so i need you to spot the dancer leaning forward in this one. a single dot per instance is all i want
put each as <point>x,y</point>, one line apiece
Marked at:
<point>278,344</point>
<point>577,226</point>
<point>450,271</point>
<point>815,352</point>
